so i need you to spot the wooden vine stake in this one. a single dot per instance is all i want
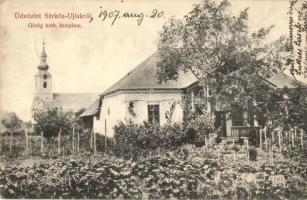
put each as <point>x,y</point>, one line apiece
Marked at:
<point>73,140</point>
<point>272,145</point>
<point>295,134</point>
<point>287,137</point>
<point>247,147</point>
<point>11,138</point>
<point>302,139</point>
<point>279,139</point>
<point>27,141</point>
<point>265,139</point>
<point>260,139</point>
<point>78,141</point>
<point>63,151</point>
<point>292,138</point>
<point>105,142</point>
<point>91,140</point>
<point>94,135</point>
<point>42,142</point>
<point>1,143</point>
<point>59,142</point>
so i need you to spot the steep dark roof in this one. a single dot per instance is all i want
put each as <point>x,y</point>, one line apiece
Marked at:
<point>144,76</point>
<point>73,101</point>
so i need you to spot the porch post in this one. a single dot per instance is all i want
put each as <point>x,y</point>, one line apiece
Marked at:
<point>193,101</point>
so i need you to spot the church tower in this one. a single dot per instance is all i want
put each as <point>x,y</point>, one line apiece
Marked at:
<point>43,84</point>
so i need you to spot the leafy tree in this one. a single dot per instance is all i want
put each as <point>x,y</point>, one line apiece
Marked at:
<point>217,47</point>
<point>51,119</point>
<point>28,125</point>
<point>291,109</point>
<point>11,122</point>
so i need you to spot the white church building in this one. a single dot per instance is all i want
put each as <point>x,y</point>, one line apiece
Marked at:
<point>44,95</point>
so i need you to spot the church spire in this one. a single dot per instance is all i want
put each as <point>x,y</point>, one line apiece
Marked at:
<point>43,65</point>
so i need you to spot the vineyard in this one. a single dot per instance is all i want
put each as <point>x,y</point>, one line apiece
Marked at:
<point>148,162</point>
<point>161,176</point>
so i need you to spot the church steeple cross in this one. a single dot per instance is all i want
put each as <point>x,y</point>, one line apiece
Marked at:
<point>43,65</point>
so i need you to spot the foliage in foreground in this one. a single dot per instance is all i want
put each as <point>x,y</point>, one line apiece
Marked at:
<point>155,177</point>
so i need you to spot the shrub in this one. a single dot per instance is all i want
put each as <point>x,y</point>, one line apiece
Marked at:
<point>202,125</point>
<point>252,151</point>
<point>142,139</point>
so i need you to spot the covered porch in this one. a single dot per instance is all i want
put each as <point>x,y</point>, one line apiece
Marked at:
<point>237,123</point>
<point>244,131</point>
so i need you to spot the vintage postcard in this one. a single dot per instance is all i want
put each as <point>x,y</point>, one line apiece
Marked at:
<point>161,99</point>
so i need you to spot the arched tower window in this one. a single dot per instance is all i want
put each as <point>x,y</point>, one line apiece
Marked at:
<point>45,84</point>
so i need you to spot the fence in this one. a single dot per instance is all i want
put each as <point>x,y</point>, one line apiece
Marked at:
<point>280,137</point>
<point>28,144</point>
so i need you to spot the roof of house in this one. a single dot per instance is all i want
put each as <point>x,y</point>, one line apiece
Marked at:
<point>92,110</point>
<point>281,80</point>
<point>73,101</point>
<point>144,76</point>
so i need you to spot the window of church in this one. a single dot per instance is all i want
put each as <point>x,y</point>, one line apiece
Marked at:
<point>45,84</point>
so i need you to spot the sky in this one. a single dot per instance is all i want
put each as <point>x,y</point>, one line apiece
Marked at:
<point>94,57</point>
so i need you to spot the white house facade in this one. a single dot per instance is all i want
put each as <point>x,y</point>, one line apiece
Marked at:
<point>137,106</point>
<point>139,97</point>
